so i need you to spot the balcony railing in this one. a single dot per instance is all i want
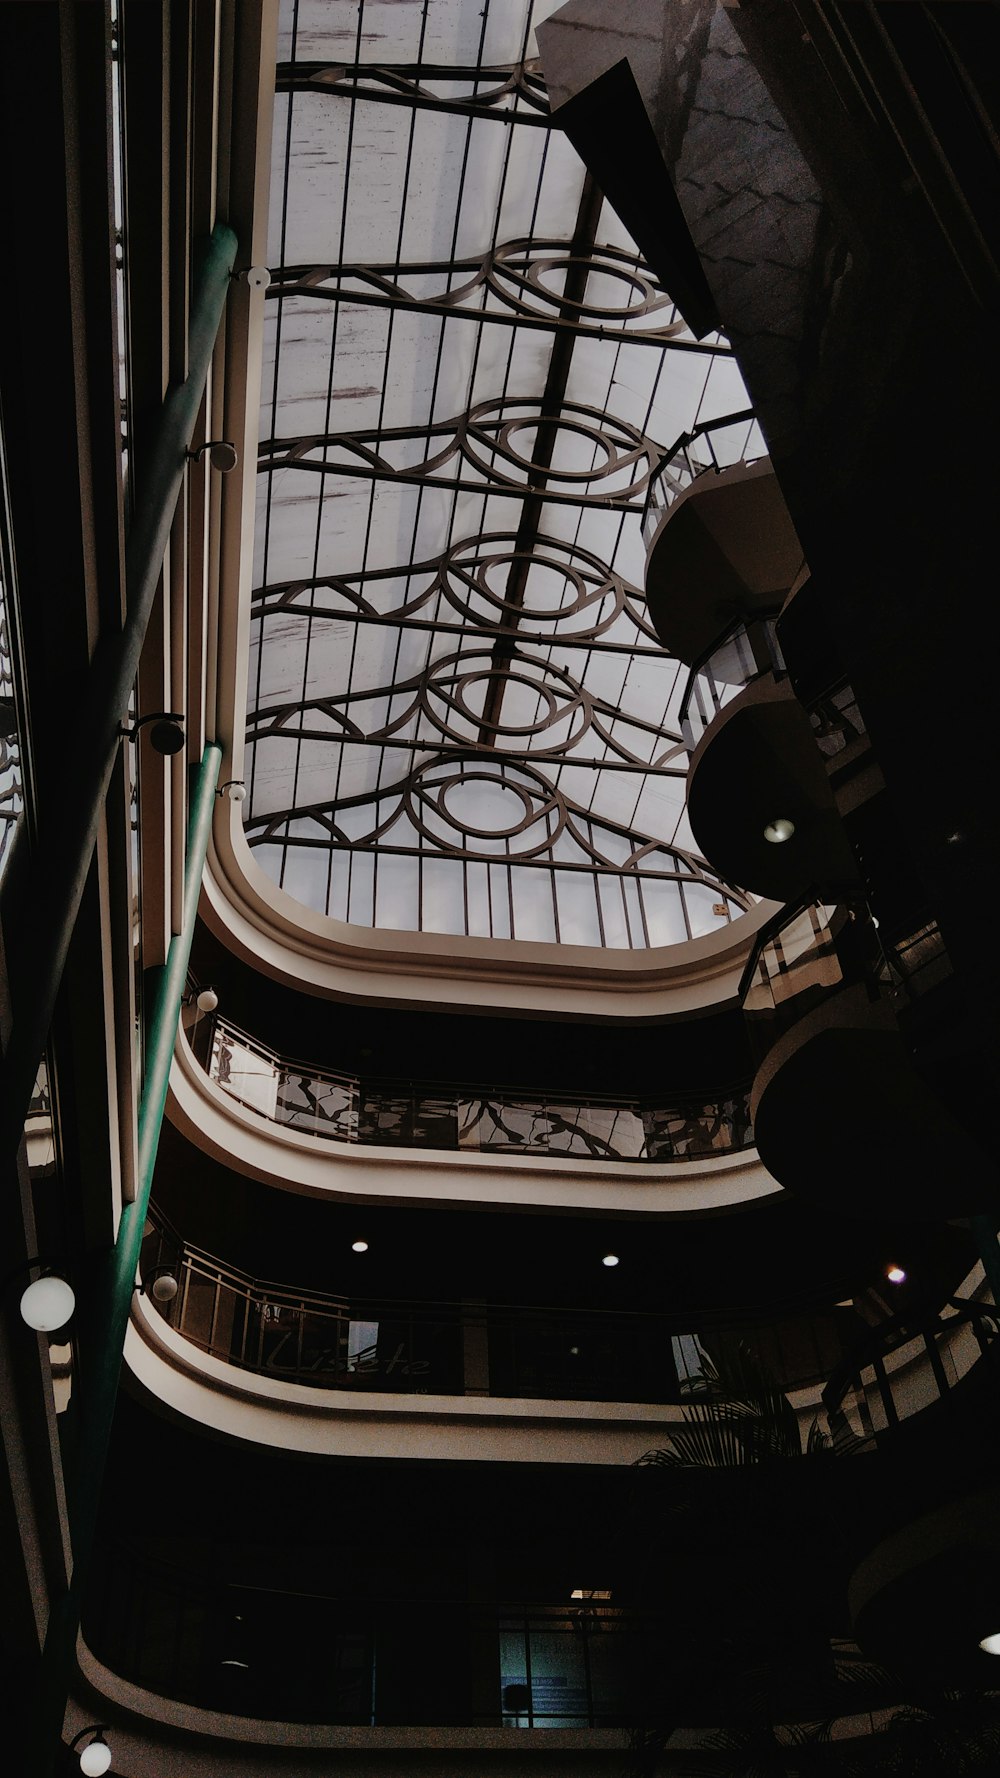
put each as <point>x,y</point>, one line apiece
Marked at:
<point>366,1344</point>
<point>745,652</point>
<point>808,951</point>
<point>467,1117</point>
<point>298,1656</point>
<point>713,445</point>
<point>904,1366</point>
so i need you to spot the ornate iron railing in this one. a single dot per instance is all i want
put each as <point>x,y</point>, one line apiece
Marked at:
<point>469,1117</point>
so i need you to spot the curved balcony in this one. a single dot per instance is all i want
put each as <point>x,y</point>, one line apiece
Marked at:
<point>719,540</point>
<point>469,1118</point>
<point>745,651</point>
<point>377,1347</point>
<point>841,1115</point>
<point>263,1652</point>
<point>755,761</point>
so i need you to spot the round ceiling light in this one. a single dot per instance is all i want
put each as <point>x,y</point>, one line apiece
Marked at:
<point>95,1758</point>
<point>779,830</point>
<point>990,1645</point>
<point>47,1304</point>
<point>359,1246</point>
<point>895,1274</point>
<point>610,1259</point>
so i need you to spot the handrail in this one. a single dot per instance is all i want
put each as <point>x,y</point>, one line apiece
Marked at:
<point>742,623</point>
<point>710,1123</point>
<point>451,1348</point>
<point>835,895</point>
<point>889,1335</point>
<point>682,443</point>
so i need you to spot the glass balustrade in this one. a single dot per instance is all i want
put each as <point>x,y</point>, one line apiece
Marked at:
<point>800,958</point>
<point>743,654</point>
<point>472,1119</point>
<point>713,446</point>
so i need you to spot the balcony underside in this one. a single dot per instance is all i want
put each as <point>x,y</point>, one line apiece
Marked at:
<point>843,1118</point>
<point>758,762</point>
<point>726,548</point>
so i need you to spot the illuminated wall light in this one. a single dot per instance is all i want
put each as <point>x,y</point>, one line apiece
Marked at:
<point>895,1274</point>
<point>779,830</point>
<point>48,1303</point>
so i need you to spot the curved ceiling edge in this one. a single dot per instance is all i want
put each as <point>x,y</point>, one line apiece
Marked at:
<point>326,957</point>
<point>295,1161</point>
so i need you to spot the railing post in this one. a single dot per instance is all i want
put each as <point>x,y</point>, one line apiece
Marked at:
<point>113,1296</point>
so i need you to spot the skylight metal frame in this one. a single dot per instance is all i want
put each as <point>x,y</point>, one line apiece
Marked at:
<point>468,470</point>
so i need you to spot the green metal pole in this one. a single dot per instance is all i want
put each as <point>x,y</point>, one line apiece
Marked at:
<point>113,1292</point>
<point>68,835</point>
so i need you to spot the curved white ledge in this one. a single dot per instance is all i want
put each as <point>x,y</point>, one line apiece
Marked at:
<point>141,1752</point>
<point>339,1423</point>
<point>319,955</point>
<point>319,1167</point>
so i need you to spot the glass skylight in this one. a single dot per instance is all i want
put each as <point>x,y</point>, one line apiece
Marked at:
<point>459,718</point>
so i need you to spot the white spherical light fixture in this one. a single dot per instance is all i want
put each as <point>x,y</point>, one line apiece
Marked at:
<point>610,1259</point>
<point>359,1246</point>
<point>163,1288</point>
<point>235,790</point>
<point>95,1758</point>
<point>779,830</point>
<point>990,1645</point>
<point>207,1000</point>
<point>48,1303</point>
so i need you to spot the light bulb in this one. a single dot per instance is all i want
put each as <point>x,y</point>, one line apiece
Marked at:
<point>48,1304</point>
<point>779,830</point>
<point>207,1000</point>
<point>95,1758</point>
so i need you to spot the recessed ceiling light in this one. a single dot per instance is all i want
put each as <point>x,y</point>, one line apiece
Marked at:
<point>610,1259</point>
<point>779,830</point>
<point>990,1645</point>
<point>359,1246</point>
<point>895,1274</point>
